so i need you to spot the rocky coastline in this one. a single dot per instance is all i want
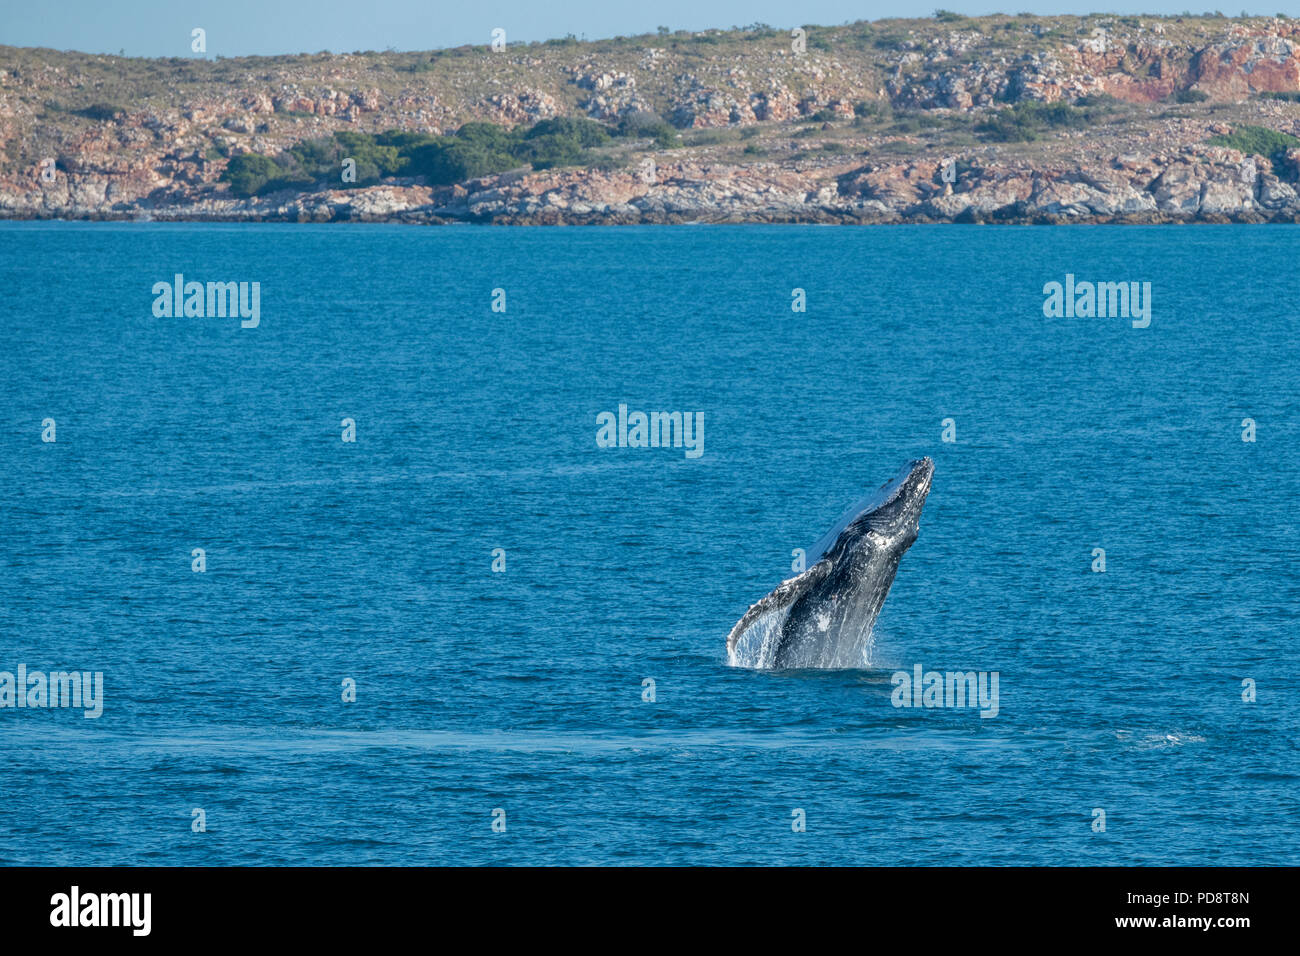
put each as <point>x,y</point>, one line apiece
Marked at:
<point>869,123</point>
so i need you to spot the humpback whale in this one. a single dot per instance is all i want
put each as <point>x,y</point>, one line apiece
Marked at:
<point>823,617</point>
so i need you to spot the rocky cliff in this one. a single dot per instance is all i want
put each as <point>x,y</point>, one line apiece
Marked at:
<point>899,120</point>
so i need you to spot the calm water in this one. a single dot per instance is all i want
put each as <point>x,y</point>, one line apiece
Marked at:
<point>523,690</point>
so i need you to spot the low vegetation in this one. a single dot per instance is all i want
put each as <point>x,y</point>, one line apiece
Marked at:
<point>476,149</point>
<point>1027,121</point>
<point>1258,141</point>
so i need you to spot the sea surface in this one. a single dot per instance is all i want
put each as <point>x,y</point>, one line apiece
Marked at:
<point>523,691</point>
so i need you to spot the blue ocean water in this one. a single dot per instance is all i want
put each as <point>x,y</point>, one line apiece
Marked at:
<point>523,690</point>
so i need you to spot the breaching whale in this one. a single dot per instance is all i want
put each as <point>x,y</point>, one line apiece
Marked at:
<point>823,617</point>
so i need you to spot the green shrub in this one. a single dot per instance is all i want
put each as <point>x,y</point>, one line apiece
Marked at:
<point>712,137</point>
<point>100,111</point>
<point>823,115</point>
<point>559,141</point>
<point>487,136</point>
<point>1026,121</point>
<point>872,109</point>
<point>474,150</point>
<point>549,152</point>
<point>402,139</point>
<point>294,179</point>
<point>889,40</point>
<point>585,132</point>
<point>442,164</point>
<point>649,126</point>
<point>1257,140</point>
<point>915,121</point>
<point>667,138</point>
<point>248,172</point>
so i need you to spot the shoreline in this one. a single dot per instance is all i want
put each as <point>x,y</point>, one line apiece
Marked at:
<point>1052,120</point>
<point>1288,218</point>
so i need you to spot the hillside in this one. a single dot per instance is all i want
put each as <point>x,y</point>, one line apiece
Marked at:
<point>1000,118</point>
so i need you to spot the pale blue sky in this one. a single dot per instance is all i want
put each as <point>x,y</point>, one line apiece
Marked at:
<point>242,27</point>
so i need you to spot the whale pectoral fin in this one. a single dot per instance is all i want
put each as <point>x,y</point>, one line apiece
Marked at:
<point>782,596</point>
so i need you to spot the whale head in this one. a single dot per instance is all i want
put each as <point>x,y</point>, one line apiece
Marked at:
<point>891,515</point>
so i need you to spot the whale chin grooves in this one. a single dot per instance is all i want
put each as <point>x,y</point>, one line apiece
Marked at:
<point>824,616</point>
